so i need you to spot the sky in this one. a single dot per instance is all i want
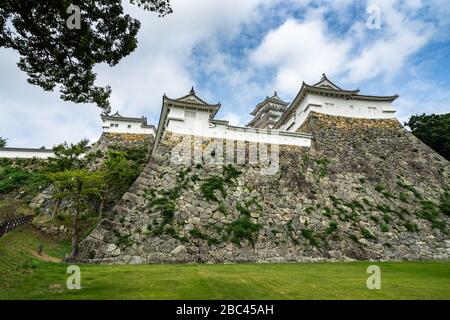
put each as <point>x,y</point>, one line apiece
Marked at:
<point>237,52</point>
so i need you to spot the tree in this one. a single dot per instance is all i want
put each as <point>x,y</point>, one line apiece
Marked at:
<point>54,55</point>
<point>67,157</point>
<point>117,175</point>
<point>2,142</point>
<point>76,186</point>
<point>433,130</point>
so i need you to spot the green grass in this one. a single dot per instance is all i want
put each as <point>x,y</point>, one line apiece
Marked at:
<point>46,280</point>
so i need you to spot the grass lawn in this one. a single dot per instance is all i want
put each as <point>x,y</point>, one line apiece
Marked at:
<point>22,276</point>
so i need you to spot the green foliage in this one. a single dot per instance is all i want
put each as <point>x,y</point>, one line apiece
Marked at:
<point>384,208</point>
<point>76,186</point>
<point>196,233</point>
<point>362,179</point>
<point>411,227</point>
<point>54,56</point>
<point>354,238</point>
<point>408,187</point>
<point>305,160</point>
<point>290,233</point>
<point>309,234</point>
<point>222,208</point>
<point>2,142</point>
<point>327,212</point>
<point>230,173</point>
<point>332,227</point>
<point>14,178</point>
<point>384,228</point>
<point>383,190</point>
<point>243,209</point>
<point>211,185</point>
<point>402,196</point>
<point>336,202</point>
<point>117,174</point>
<point>433,130</point>
<point>167,208</point>
<point>309,210</point>
<point>243,229</point>
<point>123,240</point>
<point>68,157</point>
<point>322,164</point>
<point>374,219</point>
<point>366,233</point>
<point>217,183</point>
<point>354,204</point>
<point>445,203</point>
<point>430,212</point>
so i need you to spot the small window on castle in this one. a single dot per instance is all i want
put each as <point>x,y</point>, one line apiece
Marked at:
<point>329,104</point>
<point>189,114</point>
<point>111,125</point>
<point>352,106</point>
<point>129,126</point>
<point>116,125</point>
<point>372,108</point>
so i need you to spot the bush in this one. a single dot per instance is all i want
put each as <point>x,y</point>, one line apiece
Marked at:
<point>332,227</point>
<point>309,234</point>
<point>210,186</point>
<point>368,234</point>
<point>243,229</point>
<point>230,173</point>
<point>411,227</point>
<point>167,208</point>
<point>323,166</point>
<point>445,203</point>
<point>402,196</point>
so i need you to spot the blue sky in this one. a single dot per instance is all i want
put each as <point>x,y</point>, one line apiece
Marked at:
<point>238,52</point>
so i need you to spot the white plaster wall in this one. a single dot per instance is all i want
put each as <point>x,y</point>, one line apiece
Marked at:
<point>201,126</point>
<point>123,127</point>
<point>25,154</point>
<point>360,109</point>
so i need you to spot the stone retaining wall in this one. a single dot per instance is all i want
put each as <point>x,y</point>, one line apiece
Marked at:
<point>365,190</point>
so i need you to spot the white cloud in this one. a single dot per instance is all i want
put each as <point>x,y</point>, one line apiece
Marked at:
<point>233,118</point>
<point>30,117</point>
<point>301,51</point>
<point>161,63</point>
<point>298,49</point>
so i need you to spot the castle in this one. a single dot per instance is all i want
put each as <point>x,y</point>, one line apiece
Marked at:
<point>191,115</point>
<point>352,184</point>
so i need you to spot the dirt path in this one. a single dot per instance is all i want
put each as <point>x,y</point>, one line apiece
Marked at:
<point>43,256</point>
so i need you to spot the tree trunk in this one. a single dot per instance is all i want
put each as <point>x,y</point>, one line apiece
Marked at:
<point>56,207</point>
<point>75,248</point>
<point>102,202</point>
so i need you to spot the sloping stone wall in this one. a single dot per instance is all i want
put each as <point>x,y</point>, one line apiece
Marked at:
<point>366,189</point>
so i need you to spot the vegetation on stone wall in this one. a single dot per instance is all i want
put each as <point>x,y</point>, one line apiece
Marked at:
<point>22,178</point>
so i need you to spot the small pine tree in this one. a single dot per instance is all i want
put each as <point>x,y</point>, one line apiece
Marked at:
<point>2,142</point>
